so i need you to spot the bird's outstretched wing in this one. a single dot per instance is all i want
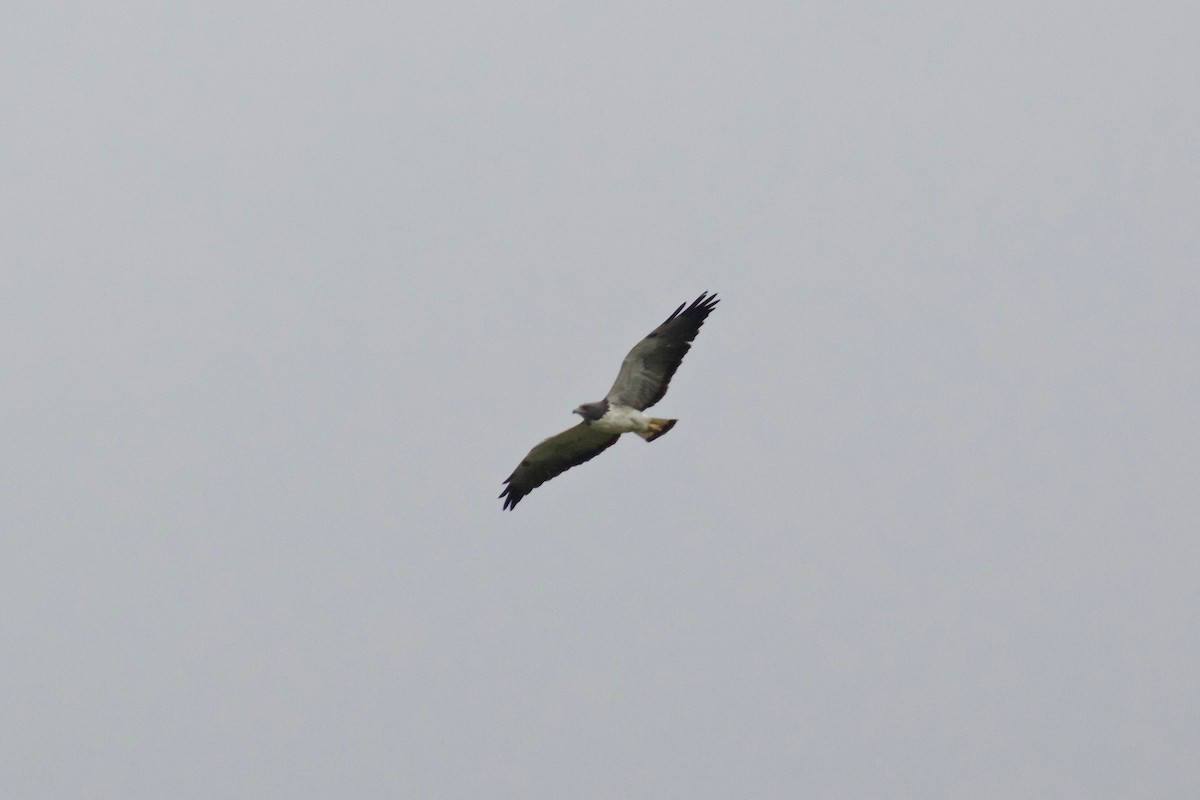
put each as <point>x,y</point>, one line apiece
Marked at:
<point>555,456</point>
<point>646,371</point>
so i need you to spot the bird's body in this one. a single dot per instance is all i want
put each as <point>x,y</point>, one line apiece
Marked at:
<point>621,419</point>
<point>642,381</point>
<point>609,417</point>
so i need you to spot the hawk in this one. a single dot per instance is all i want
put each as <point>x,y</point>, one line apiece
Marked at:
<point>645,374</point>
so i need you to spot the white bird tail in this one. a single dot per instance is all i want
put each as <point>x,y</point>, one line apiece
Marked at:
<point>656,427</point>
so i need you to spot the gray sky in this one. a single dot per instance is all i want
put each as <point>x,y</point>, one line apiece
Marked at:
<point>289,289</point>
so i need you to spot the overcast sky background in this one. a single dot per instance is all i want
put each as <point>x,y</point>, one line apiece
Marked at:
<point>289,289</point>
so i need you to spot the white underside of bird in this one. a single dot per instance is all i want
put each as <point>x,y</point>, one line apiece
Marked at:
<point>622,419</point>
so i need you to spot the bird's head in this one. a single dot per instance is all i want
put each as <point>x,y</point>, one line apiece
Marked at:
<point>592,411</point>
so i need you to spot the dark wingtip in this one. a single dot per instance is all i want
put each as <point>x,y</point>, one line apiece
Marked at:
<point>509,497</point>
<point>705,303</point>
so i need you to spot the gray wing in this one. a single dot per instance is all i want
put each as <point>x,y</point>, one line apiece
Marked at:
<point>555,456</point>
<point>646,371</point>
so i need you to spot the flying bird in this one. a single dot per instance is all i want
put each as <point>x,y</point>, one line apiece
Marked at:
<point>645,374</point>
